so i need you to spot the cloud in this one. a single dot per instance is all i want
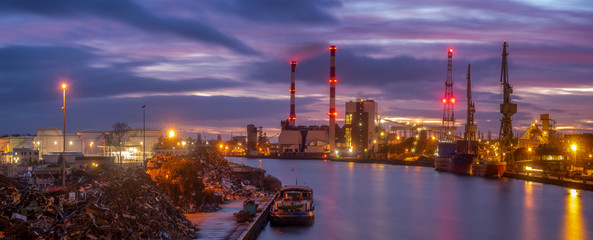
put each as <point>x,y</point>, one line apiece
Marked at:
<point>32,74</point>
<point>282,11</point>
<point>131,14</point>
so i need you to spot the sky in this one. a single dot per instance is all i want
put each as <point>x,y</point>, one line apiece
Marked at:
<point>213,67</point>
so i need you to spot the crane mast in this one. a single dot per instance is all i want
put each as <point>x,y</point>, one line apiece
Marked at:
<point>507,109</point>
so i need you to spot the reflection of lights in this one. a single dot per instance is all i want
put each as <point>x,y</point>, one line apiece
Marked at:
<point>528,168</point>
<point>573,192</point>
<point>349,150</point>
<point>573,226</point>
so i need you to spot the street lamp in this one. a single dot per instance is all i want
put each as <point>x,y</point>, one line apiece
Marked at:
<point>64,86</point>
<point>574,149</point>
<point>143,133</point>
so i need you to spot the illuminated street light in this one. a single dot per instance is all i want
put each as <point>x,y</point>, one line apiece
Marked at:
<point>574,149</point>
<point>64,86</point>
<point>171,133</point>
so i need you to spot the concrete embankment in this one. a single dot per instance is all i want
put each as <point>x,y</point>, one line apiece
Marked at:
<point>255,227</point>
<point>222,225</point>
<point>569,183</point>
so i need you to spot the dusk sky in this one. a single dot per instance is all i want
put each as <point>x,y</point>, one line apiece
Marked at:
<point>216,66</point>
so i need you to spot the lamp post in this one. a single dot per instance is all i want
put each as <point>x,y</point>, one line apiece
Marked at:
<point>143,133</point>
<point>574,149</point>
<point>64,86</point>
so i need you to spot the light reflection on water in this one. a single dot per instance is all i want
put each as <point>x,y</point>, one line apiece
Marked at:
<point>574,223</point>
<point>375,201</point>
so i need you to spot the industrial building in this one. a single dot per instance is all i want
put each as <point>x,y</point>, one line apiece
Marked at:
<point>47,144</point>
<point>360,133</point>
<point>303,141</point>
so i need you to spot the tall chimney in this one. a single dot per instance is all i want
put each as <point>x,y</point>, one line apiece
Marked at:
<point>292,117</point>
<point>332,100</point>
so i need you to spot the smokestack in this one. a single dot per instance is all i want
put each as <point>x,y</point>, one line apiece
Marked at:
<point>292,117</point>
<point>332,100</point>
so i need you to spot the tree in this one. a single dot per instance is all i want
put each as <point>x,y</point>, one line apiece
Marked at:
<point>116,140</point>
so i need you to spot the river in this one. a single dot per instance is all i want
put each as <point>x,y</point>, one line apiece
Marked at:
<point>380,201</point>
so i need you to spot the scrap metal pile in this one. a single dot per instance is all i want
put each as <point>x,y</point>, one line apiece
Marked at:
<point>112,204</point>
<point>204,179</point>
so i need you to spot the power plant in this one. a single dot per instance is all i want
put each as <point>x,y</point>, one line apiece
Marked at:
<point>365,136</point>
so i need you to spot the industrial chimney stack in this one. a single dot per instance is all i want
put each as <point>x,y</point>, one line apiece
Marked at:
<point>292,117</point>
<point>332,100</point>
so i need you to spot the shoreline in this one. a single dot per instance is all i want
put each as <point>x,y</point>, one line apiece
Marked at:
<point>429,163</point>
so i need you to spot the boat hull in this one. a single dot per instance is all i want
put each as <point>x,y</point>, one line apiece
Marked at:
<point>461,164</point>
<point>489,169</point>
<point>442,164</point>
<point>294,218</point>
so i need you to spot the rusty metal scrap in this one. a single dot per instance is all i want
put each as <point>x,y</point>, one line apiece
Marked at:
<point>116,204</point>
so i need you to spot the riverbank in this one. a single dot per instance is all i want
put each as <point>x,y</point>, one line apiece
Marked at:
<point>429,162</point>
<point>420,162</point>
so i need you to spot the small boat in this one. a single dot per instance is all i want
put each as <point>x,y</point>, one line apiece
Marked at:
<point>293,205</point>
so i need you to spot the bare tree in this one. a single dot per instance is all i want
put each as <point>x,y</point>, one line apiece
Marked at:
<point>116,139</point>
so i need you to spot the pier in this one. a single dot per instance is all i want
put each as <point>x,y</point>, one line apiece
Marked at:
<point>221,224</point>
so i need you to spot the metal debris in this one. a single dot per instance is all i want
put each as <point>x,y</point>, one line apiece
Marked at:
<point>117,204</point>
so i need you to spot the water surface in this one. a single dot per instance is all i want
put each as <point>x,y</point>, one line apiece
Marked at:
<point>376,201</point>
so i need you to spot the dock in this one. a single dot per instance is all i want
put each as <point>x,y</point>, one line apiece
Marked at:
<point>221,224</point>
<point>563,182</point>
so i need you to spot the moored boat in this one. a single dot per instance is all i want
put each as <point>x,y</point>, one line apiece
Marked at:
<point>461,163</point>
<point>445,151</point>
<point>442,164</point>
<point>493,169</point>
<point>293,205</point>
